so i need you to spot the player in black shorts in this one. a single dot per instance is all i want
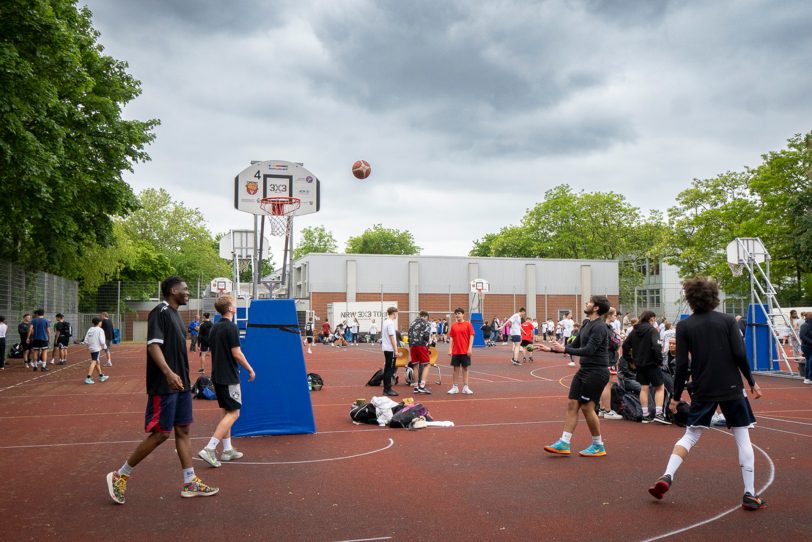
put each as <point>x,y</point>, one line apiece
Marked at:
<point>203,340</point>
<point>63,332</point>
<point>226,354</point>
<point>22,329</point>
<point>309,336</point>
<point>711,344</point>
<point>643,349</point>
<point>592,345</point>
<point>169,401</point>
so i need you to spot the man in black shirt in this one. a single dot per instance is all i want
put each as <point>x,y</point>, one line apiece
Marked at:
<point>710,344</point>
<point>22,329</point>
<point>225,374</point>
<point>203,340</point>
<point>63,333</point>
<point>107,327</point>
<point>592,345</point>
<point>169,403</point>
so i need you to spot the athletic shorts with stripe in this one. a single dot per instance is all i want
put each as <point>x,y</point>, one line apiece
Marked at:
<point>164,412</point>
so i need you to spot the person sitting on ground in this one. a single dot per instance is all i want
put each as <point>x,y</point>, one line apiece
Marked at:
<point>338,337</point>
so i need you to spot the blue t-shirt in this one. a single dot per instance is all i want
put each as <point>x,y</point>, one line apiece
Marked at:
<point>41,326</point>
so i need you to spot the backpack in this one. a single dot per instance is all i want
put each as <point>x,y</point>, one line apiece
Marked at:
<point>66,330</point>
<point>204,388</point>
<point>376,379</point>
<point>364,414</point>
<point>16,351</point>
<point>616,401</point>
<point>314,382</point>
<point>614,340</point>
<point>403,418</point>
<point>631,408</point>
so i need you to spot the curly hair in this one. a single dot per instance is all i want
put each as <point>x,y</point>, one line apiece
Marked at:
<point>701,293</point>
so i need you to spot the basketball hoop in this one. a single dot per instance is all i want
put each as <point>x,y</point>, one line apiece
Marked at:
<point>279,210</point>
<point>736,269</point>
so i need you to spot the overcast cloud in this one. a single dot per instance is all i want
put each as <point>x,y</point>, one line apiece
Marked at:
<point>467,111</point>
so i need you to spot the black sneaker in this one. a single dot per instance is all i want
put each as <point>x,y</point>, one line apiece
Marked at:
<point>34,368</point>
<point>417,390</point>
<point>647,419</point>
<point>753,502</point>
<point>391,393</point>
<point>425,390</point>
<point>44,369</point>
<point>515,362</point>
<point>661,486</point>
<point>659,418</point>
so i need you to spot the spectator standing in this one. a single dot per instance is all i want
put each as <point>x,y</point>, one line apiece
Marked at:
<point>354,330</point>
<point>107,327</point>
<point>419,337</point>
<point>3,333</point>
<point>805,335</point>
<point>461,343</point>
<point>63,332</point>
<point>194,327</point>
<point>373,332</point>
<point>642,348</point>
<point>22,329</point>
<point>39,336</point>
<point>203,333</point>
<point>389,346</point>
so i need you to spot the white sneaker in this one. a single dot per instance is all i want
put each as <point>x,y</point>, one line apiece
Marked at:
<point>467,391</point>
<point>571,364</point>
<point>454,389</point>
<point>807,381</point>
<point>108,364</point>
<point>612,415</point>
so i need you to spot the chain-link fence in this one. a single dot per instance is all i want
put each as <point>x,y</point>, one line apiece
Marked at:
<point>23,291</point>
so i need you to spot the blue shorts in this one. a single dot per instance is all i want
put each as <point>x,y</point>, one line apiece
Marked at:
<point>164,412</point>
<point>516,338</point>
<point>737,413</point>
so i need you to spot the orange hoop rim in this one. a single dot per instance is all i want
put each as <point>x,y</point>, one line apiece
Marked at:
<point>279,205</point>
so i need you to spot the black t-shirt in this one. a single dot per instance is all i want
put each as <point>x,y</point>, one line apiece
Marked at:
<point>107,327</point>
<point>308,329</point>
<point>204,330</point>
<point>165,327</point>
<point>23,330</point>
<point>224,336</point>
<point>63,328</point>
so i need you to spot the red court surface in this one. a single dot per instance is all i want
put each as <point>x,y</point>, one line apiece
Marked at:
<point>487,478</point>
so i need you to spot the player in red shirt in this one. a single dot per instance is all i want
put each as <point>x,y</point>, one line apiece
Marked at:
<point>461,342</point>
<point>325,331</point>
<point>527,338</point>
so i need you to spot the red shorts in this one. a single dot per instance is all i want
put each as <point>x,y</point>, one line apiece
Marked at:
<point>419,354</point>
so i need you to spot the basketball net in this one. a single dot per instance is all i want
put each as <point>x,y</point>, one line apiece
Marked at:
<point>279,210</point>
<point>736,269</point>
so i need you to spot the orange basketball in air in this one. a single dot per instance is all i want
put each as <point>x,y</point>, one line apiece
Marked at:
<point>361,169</point>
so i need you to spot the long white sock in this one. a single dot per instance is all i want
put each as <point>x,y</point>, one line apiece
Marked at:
<point>747,458</point>
<point>227,444</point>
<point>188,475</point>
<point>125,470</point>
<point>566,437</point>
<point>673,464</point>
<point>213,442</point>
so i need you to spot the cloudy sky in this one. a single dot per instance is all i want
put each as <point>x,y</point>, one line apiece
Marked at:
<point>467,111</point>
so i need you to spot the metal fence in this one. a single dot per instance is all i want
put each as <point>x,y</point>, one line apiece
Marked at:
<point>23,291</point>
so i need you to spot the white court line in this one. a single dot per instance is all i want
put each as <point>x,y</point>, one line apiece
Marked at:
<point>532,373</point>
<point>725,513</point>
<point>50,372</point>
<point>785,421</point>
<point>499,376</point>
<point>391,443</point>
<point>758,426</point>
<point>367,539</point>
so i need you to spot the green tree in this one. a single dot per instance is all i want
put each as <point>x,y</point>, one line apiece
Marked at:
<point>314,240</point>
<point>380,240</point>
<point>177,233</point>
<point>63,142</point>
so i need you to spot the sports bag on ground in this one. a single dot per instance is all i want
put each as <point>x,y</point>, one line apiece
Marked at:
<point>364,414</point>
<point>403,418</point>
<point>631,407</point>
<point>376,379</point>
<point>16,351</point>
<point>204,388</point>
<point>314,382</point>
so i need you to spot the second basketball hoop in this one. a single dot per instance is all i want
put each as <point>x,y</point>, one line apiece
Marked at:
<point>279,210</point>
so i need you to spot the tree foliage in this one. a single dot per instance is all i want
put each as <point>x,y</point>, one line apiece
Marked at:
<point>380,240</point>
<point>772,201</point>
<point>314,240</point>
<point>63,142</point>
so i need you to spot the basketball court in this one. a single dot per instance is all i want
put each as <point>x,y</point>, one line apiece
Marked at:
<point>487,477</point>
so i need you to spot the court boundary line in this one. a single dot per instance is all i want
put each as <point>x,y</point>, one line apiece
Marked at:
<point>263,463</point>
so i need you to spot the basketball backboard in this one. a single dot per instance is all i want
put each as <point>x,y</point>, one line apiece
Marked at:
<point>240,243</point>
<point>480,286</point>
<point>276,178</point>
<point>221,285</point>
<point>739,249</point>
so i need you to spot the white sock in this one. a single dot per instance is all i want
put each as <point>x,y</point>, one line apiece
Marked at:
<point>645,412</point>
<point>747,458</point>
<point>673,464</point>
<point>658,410</point>
<point>566,437</point>
<point>125,470</point>
<point>213,442</point>
<point>227,444</point>
<point>597,440</point>
<point>188,475</point>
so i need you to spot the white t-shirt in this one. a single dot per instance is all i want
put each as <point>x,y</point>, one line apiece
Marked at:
<point>3,330</point>
<point>373,329</point>
<point>354,329</point>
<point>616,326</point>
<point>566,325</point>
<point>388,330</point>
<point>544,327</point>
<point>516,324</point>
<point>434,327</point>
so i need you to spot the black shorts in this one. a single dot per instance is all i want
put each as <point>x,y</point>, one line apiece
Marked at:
<point>587,384</point>
<point>737,412</point>
<point>24,344</point>
<point>650,376</point>
<point>164,412</point>
<point>309,339</point>
<point>204,345</point>
<point>460,360</point>
<point>94,356</point>
<point>229,396</point>
<point>525,342</point>
<point>62,341</point>
<point>39,344</point>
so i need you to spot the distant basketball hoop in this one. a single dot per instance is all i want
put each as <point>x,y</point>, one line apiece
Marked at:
<point>480,286</point>
<point>279,210</point>
<point>745,250</point>
<point>221,286</point>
